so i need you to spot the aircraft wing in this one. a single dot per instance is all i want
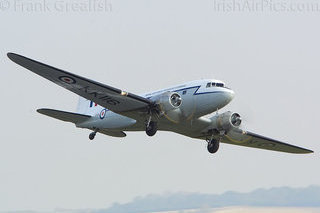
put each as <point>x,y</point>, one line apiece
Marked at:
<point>249,139</point>
<point>109,97</point>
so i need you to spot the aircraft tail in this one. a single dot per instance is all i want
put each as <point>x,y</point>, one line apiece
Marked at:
<point>64,116</point>
<point>87,107</point>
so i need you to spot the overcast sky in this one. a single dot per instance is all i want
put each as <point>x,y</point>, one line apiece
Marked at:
<point>269,56</point>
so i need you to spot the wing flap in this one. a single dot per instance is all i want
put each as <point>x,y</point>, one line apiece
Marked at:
<point>109,97</point>
<point>64,116</point>
<point>253,140</point>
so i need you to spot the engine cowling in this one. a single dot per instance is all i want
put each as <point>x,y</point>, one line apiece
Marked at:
<point>169,105</point>
<point>226,121</point>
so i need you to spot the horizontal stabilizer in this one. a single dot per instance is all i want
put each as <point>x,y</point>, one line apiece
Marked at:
<point>64,116</point>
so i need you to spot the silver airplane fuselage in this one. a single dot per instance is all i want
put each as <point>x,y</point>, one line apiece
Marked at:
<point>197,100</point>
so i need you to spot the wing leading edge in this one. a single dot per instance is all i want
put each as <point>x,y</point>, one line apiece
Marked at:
<point>109,97</point>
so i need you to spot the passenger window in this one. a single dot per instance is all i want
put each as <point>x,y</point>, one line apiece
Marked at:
<point>184,92</point>
<point>208,84</point>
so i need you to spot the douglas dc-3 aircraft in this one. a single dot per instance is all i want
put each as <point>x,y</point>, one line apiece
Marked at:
<point>183,109</point>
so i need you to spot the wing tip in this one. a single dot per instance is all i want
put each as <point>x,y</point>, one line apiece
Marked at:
<point>14,56</point>
<point>41,110</point>
<point>11,55</point>
<point>306,151</point>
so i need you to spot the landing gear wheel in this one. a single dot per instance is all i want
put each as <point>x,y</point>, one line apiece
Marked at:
<point>92,135</point>
<point>213,146</point>
<point>152,128</point>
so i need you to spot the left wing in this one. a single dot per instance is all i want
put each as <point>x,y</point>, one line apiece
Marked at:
<point>109,97</point>
<point>249,139</point>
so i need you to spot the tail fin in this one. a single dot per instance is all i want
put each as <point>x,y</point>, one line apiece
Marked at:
<point>87,107</point>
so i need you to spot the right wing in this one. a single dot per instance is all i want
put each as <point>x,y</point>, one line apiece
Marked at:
<point>109,97</point>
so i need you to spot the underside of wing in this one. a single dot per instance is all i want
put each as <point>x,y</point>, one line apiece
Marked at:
<point>109,97</point>
<point>253,140</point>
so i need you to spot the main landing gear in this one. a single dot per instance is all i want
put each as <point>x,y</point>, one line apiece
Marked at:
<point>213,145</point>
<point>151,127</point>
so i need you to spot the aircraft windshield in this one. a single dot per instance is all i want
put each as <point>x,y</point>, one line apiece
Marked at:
<point>214,84</point>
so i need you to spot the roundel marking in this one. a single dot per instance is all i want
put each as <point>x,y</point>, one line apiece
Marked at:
<point>67,79</point>
<point>103,113</point>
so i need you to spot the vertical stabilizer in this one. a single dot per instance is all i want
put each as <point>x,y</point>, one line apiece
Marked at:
<point>87,107</point>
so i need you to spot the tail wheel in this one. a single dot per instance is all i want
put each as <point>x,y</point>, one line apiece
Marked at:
<point>213,146</point>
<point>92,135</point>
<point>152,128</point>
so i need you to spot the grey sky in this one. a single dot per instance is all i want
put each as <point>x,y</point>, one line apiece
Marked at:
<point>270,58</point>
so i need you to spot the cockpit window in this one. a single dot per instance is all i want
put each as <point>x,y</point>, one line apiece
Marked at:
<point>214,84</point>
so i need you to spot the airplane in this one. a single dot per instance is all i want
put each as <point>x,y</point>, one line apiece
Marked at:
<point>189,109</point>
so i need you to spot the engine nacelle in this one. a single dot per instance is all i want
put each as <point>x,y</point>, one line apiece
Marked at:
<point>226,121</point>
<point>168,105</point>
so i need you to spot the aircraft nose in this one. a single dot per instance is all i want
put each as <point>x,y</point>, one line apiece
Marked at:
<point>229,95</point>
